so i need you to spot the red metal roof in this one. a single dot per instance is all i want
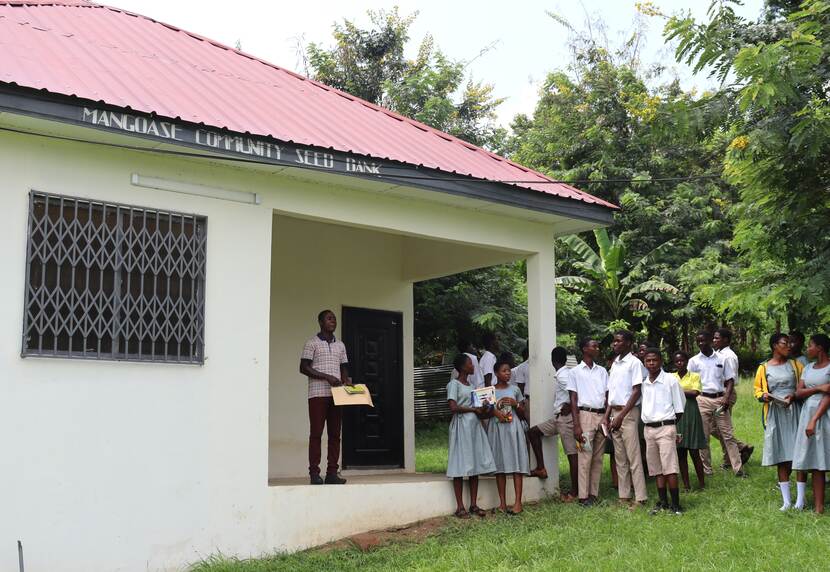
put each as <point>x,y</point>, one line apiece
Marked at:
<point>100,53</point>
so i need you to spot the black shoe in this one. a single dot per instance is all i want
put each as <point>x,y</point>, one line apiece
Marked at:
<point>586,503</point>
<point>315,480</point>
<point>658,508</point>
<point>676,509</point>
<point>334,480</point>
<point>746,453</point>
<point>741,474</point>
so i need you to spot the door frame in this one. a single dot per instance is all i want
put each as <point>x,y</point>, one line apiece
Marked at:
<point>398,317</point>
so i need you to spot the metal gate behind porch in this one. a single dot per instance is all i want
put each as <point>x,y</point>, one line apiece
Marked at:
<point>431,393</point>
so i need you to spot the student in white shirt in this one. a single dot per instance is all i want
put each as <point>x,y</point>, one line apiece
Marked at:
<point>490,342</point>
<point>477,379</point>
<point>714,399</point>
<point>520,375</point>
<point>588,389</point>
<point>662,406</point>
<point>721,341</point>
<point>623,416</point>
<point>561,424</point>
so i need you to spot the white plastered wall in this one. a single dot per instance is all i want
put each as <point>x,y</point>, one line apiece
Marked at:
<point>124,466</point>
<point>133,466</point>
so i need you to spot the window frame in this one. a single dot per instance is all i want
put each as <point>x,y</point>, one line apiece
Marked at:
<point>123,301</point>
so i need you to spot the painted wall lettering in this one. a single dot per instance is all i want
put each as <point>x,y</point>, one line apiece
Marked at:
<point>315,159</point>
<point>131,123</point>
<point>361,166</point>
<point>219,140</point>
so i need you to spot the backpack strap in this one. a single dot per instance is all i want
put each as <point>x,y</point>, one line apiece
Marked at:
<point>764,389</point>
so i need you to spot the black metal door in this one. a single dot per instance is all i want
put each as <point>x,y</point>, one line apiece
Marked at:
<point>373,437</point>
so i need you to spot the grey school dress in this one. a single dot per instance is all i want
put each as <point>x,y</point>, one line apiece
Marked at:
<point>782,422</point>
<point>507,440</point>
<point>469,453</point>
<point>813,453</point>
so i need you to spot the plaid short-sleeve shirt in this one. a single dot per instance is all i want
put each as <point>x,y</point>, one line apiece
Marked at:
<point>326,357</point>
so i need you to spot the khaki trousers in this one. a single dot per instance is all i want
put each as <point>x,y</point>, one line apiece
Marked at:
<point>723,422</point>
<point>705,455</point>
<point>627,454</point>
<point>661,450</point>
<point>589,463</point>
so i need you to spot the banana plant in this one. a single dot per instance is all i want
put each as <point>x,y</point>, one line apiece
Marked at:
<point>604,274</point>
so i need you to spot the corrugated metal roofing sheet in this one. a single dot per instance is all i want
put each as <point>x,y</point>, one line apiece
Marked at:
<point>105,54</point>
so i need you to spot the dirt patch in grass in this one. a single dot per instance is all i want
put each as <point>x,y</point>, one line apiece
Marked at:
<point>365,541</point>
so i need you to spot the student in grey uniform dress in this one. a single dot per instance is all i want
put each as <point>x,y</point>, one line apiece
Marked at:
<point>469,449</point>
<point>507,437</point>
<point>775,385</point>
<point>812,442</point>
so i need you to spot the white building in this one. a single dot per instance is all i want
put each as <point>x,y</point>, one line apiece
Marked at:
<point>151,412</point>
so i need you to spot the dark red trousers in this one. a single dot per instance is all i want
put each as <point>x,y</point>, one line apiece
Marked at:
<point>322,411</point>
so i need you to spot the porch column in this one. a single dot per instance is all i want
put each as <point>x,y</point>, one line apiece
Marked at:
<point>541,326</point>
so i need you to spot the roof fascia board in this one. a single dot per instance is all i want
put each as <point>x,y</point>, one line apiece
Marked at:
<point>266,150</point>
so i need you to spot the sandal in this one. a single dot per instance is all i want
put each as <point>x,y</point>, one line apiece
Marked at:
<point>461,513</point>
<point>477,511</point>
<point>539,473</point>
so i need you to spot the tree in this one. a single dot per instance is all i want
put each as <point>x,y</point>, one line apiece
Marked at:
<point>603,123</point>
<point>370,64</point>
<point>776,75</point>
<point>468,304</point>
<point>603,273</point>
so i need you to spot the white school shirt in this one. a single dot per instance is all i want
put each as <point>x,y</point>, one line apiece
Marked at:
<point>487,361</point>
<point>560,391</point>
<point>625,374</point>
<point>521,375</point>
<point>662,398</point>
<point>710,370</point>
<point>730,363</point>
<point>476,380</point>
<point>590,385</point>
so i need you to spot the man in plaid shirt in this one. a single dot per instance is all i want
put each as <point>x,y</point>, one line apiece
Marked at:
<point>325,363</point>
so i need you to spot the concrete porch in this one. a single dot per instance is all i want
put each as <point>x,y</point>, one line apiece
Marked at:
<point>366,251</point>
<point>325,264</point>
<point>371,502</point>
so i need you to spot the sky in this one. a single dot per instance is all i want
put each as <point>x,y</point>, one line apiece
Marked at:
<point>524,42</point>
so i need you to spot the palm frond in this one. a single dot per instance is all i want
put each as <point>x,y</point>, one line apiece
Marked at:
<point>579,282</point>
<point>653,285</point>
<point>637,304</point>
<point>588,258</point>
<point>648,259</point>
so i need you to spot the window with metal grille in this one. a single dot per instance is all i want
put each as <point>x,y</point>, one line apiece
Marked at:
<point>114,282</point>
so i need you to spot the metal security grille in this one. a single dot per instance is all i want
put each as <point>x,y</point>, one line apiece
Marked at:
<point>116,282</point>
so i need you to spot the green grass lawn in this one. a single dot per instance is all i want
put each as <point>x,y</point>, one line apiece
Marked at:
<point>431,442</point>
<point>733,525</point>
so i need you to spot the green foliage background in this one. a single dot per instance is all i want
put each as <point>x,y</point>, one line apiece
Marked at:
<point>724,195</point>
